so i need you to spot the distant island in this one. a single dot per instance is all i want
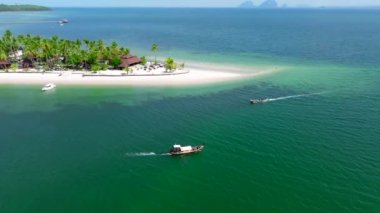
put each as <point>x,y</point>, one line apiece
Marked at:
<point>247,5</point>
<point>269,4</point>
<point>22,7</point>
<point>266,4</point>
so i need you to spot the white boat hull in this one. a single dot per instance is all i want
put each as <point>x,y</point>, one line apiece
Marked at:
<point>48,87</point>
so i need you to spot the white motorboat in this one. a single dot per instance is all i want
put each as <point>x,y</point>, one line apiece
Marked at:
<point>258,101</point>
<point>63,22</point>
<point>48,87</point>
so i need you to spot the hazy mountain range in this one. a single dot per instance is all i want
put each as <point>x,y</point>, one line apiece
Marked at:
<point>265,4</point>
<point>273,4</point>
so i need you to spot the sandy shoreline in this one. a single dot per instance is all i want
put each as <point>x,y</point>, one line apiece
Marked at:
<point>195,76</point>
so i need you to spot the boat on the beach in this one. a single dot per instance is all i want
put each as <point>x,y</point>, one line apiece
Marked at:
<point>183,150</point>
<point>48,87</point>
<point>257,101</point>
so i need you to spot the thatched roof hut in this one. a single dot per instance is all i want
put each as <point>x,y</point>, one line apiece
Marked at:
<point>4,64</point>
<point>129,60</point>
<point>27,63</point>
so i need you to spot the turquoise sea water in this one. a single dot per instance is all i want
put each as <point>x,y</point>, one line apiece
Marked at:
<point>97,149</point>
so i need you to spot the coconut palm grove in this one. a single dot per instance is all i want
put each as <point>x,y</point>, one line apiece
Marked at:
<point>46,54</point>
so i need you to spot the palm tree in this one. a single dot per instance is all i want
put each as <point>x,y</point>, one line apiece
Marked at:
<point>31,48</point>
<point>50,51</point>
<point>74,58</point>
<point>86,54</point>
<point>3,57</point>
<point>115,50</point>
<point>170,64</point>
<point>9,43</point>
<point>63,46</point>
<point>155,49</point>
<point>101,49</point>
<point>126,51</point>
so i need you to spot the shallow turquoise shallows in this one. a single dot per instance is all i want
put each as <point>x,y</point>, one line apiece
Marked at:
<point>314,147</point>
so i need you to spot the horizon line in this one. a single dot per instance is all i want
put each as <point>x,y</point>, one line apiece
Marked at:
<point>223,7</point>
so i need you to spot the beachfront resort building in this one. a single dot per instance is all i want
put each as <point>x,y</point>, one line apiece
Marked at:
<point>4,64</point>
<point>129,60</point>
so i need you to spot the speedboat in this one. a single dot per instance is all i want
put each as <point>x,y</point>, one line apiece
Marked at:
<point>257,101</point>
<point>63,21</point>
<point>183,150</point>
<point>48,87</point>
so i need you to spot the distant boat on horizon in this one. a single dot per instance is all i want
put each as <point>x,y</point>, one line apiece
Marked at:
<point>63,21</point>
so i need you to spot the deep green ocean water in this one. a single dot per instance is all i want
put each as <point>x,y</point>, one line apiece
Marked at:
<point>313,148</point>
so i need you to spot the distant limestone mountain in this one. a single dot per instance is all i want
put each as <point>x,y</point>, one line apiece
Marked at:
<point>266,4</point>
<point>247,4</point>
<point>269,4</point>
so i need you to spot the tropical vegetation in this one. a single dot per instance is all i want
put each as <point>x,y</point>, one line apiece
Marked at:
<point>55,52</point>
<point>22,7</point>
<point>62,54</point>
<point>170,64</point>
<point>155,49</point>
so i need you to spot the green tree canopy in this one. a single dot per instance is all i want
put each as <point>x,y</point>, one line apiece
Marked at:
<point>155,49</point>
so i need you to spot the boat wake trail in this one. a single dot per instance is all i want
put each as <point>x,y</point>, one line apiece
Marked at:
<point>140,154</point>
<point>144,154</point>
<point>291,96</point>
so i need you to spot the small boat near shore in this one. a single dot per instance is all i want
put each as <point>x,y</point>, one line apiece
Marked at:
<point>48,87</point>
<point>257,101</point>
<point>183,150</point>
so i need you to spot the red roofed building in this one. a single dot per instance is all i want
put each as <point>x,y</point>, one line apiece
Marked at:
<point>129,60</point>
<point>5,64</point>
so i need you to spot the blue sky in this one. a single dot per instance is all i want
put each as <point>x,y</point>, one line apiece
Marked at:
<point>189,3</point>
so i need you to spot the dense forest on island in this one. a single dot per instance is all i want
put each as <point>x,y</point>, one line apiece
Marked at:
<point>22,7</point>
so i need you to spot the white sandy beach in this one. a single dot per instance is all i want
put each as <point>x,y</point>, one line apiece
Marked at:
<point>193,77</point>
